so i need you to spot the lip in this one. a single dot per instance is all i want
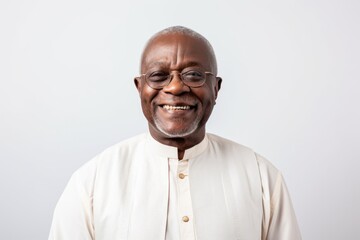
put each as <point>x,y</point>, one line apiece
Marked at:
<point>177,102</point>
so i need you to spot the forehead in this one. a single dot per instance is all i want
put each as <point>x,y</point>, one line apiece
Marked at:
<point>177,51</point>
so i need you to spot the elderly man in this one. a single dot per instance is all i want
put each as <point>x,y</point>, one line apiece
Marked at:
<point>177,181</point>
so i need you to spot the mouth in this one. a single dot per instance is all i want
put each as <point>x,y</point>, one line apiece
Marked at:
<point>177,107</point>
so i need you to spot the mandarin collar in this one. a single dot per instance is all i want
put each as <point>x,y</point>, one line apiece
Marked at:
<point>167,151</point>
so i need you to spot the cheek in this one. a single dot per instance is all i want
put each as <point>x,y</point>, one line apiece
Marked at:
<point>206,95</point>
<point>147,95</point>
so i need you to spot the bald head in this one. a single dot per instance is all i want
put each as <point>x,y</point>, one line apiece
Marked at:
<point>172,34</point>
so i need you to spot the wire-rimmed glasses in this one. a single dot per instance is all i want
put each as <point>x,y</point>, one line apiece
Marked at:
<point>190,77</point>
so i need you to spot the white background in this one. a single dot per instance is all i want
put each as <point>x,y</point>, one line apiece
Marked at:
<point>290,91</point>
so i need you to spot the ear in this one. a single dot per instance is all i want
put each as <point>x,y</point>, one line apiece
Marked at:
<point>217,86</point>
<point>137,82</point>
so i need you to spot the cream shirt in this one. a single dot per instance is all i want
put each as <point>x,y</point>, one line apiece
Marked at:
<point>138,189</point>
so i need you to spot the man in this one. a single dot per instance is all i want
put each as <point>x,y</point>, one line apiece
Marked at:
<point>176,182</point>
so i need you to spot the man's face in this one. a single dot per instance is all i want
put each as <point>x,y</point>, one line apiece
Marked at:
<point>177,111</point>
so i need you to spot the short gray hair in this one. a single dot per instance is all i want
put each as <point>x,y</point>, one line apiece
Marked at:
<point>181,30</point>
<point>187,32</point>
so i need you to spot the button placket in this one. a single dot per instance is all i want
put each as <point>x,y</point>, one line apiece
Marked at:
<point>185,205</point>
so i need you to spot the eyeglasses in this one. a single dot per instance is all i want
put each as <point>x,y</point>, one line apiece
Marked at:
<point>192,78</point>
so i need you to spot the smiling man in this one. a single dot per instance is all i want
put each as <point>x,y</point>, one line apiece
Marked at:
<point>176,182</point>
<point>178,87</point>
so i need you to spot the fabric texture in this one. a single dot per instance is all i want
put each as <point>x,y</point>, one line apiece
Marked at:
<point>138,189</point>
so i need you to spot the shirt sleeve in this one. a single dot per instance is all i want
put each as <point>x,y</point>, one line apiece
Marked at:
<point>73,216</point>
<point>279,220</point>
<point>282,222</point>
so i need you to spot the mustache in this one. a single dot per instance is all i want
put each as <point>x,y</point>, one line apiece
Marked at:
<point>185,98</point>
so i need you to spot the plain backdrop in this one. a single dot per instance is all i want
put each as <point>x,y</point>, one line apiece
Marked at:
<point>290,91</point>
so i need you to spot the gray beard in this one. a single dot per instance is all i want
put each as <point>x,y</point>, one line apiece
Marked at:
<point>182,133</point>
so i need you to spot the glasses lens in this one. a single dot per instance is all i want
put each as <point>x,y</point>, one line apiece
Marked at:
<point>157,79</point>
<point>193,78</point>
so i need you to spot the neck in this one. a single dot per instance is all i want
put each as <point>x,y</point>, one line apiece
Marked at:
<point>181,143</point>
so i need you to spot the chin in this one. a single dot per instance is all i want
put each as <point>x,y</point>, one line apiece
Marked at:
<point>177,133</point>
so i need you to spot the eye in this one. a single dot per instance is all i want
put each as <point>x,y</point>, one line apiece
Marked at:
<point>193,75</point>
<point>157,76</point>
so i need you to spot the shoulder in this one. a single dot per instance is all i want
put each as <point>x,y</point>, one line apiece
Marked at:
<point>122,148</point>
<point>112,158</point>
<point>226,145</point>
<point>229,147</point>
<point>268,172</point>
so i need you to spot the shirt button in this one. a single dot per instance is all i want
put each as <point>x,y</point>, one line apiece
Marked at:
<point>185,218</point>
<point>181,176</point>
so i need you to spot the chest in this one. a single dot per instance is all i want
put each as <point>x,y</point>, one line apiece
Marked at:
<point>222,199</point>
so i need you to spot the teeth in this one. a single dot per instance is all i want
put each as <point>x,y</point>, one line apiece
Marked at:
<point>168,107</point>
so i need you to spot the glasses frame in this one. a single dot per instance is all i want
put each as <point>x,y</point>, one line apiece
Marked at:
<point>171,77</point>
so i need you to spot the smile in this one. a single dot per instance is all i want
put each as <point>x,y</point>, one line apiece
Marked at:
<point>170,107</point>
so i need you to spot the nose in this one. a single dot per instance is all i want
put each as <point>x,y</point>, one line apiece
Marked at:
<point>176,85</point>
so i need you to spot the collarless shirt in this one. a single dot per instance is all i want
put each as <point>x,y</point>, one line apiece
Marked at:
<point>138,189</point>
